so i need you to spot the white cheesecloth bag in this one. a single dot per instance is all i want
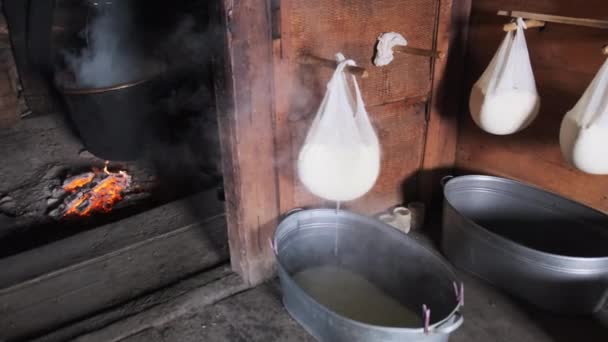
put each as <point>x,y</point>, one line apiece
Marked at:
<point>583,135</point>
<point>504,100</point>
<point>340,159</point>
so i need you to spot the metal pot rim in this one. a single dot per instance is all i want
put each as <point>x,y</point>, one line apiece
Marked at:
<point>83,91</point>
<point>530,254</point>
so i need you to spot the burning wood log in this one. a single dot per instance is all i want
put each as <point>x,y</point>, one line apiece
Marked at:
<point>91,192</point>
<point>74,183</point>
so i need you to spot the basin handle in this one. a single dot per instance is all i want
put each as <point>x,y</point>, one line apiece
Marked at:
<point>273,247</point>
<point>459,290</point>
<point>444,180</point>
<point>449,328</point>
<point>426,316</point>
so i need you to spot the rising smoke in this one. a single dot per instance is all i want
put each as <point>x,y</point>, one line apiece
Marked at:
<point>110,56</point>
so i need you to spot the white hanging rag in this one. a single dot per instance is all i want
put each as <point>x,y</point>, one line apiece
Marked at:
<point>384,49</point>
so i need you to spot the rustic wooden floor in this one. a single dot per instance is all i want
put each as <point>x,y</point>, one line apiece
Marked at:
<point>258,315</point>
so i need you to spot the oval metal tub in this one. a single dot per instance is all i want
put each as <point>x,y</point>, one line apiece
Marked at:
<point>401,267</point>
<point>538,246</point>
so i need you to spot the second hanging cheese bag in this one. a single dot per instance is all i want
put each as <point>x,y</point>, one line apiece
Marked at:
<point>340,159</point>
<point>584,131</point>
<point>505,100</point>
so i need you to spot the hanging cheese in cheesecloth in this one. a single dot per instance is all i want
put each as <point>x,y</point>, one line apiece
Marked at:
<point>504,100</point>
<point>584,131</point>
<point>340,158</point>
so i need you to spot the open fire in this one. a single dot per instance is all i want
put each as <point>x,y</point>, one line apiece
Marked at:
<point>90,192</point>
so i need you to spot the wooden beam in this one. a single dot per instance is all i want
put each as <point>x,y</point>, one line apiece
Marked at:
<point>166,314</point>
<point>419,52</point>
<point>332,64</point>
<point>75,277</point>
<point>156,300</point>
<point>445,101</point>
<point>603,24</point>
<point>529,24</point>
<point>244,95</point>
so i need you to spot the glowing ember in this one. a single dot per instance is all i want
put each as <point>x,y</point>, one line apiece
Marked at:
<point>95,191</point>
<point>78,182</point>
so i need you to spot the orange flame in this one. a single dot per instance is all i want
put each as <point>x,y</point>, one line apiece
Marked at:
<point>79,182</point>
<point>102,197</point>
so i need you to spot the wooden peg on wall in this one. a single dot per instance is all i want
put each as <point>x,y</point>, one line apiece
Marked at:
<point>419,52</point>
<point>529,24</point>
<point>328,63</point>
<point>601,24</point>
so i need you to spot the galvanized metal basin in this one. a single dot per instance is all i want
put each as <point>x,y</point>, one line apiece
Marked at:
<point>541,247</point>
<point>403,268</point>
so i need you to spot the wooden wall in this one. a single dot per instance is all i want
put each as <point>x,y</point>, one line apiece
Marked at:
<point>12,104</point>
<point>399,97</point>
<point>565,60</point>
<point>266,101</point>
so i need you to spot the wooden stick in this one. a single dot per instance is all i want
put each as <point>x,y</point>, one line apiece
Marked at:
<point>419,52</point>
<point>605,50</point>
<point>529,24</point>
<point>414,100</point>
<point>603,24</point>
<point>314,60</point>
